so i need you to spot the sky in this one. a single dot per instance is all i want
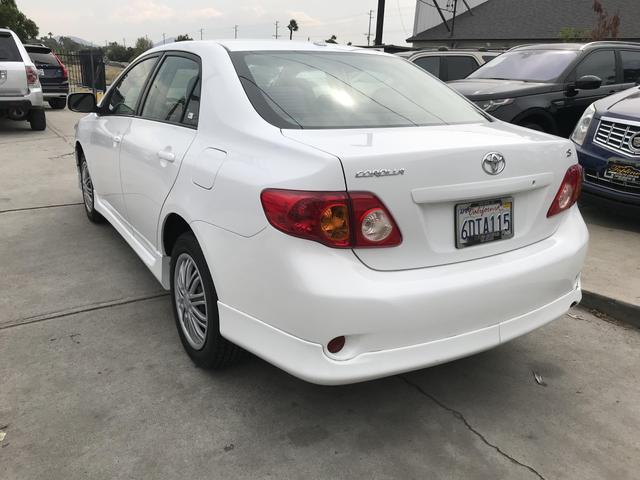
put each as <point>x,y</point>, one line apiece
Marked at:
<point>115,20</point>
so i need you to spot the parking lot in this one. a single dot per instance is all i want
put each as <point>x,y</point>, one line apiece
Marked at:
<point>94,382</point>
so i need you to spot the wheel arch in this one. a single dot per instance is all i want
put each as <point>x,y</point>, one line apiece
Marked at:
<point>540,117</point>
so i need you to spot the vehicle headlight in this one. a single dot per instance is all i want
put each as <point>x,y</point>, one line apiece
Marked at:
<point>580,132</point>
<point>491,105</point>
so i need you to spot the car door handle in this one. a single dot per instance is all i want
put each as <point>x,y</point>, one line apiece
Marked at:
<point>167,155</point>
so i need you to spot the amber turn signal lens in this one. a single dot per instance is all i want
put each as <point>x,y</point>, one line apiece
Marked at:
<point>334,222</point>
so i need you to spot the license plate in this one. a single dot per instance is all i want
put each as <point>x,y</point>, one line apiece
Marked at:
<point>623,173</point>
<point>484,221</point>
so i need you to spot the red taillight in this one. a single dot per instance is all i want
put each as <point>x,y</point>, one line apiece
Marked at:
<point>336,219</point>
<point>65,72</point>
<point>569,191</point>
<point>32,76</point>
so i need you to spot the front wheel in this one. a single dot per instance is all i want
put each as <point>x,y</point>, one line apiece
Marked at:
<point>195,307</point>
<point>87,193</point>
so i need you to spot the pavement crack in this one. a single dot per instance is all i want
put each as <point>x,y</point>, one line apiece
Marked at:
<point>77,310</point>
<point>25,209</point>
<point>469,427</point>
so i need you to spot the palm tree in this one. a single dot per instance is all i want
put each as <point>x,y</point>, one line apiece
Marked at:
<point>333,39</point>
<point>293,27</point>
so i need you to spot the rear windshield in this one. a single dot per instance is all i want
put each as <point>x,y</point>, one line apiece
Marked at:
<point>43,58</point>
<point>293,89</point>
<point>8,49</point>
<point>528,65</point>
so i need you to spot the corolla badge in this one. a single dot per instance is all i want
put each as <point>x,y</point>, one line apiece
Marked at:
<point>493,163</point>
<point>381,172</point>
<point>634,143</point>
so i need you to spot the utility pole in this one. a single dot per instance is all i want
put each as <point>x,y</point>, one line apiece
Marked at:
<point>235,31</point>
<point>379,23</point>
<point>277,25</point>
<point>201,30</point>
<point>369,32</point>
<point>124,42</point>
<point>163,38</point>
<point>453,21</point>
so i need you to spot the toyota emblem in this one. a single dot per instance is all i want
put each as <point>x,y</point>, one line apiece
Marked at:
<point>493,163</point>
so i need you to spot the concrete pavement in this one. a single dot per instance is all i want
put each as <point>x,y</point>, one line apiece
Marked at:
<point>94,382</point>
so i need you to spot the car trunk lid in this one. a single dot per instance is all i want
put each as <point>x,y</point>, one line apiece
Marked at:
<point>422,173</point>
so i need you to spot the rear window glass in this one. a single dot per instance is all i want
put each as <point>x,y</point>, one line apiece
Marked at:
<point>297,89</point>
<point>8,49</point>
<point>42,58</point>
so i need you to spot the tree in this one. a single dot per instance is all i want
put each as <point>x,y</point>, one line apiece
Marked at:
<point>119,53</point>
<point>142,45</point>
<point>293,27</point>
<point>183,38</point>
<point>607,26</point>
<point>571,34</point>
<point>12,18</point>
<point>333,39</point>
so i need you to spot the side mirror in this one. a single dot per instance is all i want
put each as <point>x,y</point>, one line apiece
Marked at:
<point>588,82</point>
<point>82,102</point>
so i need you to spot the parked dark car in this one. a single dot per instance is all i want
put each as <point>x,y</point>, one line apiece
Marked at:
<point>448,64</point>
<point>547,87</point>
<point>54,76</point>
<point>607,138</point>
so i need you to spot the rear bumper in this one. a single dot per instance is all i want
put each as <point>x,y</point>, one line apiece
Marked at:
<point>33,100</point>
<point>284,298</point>
<point>309,361</point>
<point>55,91</point>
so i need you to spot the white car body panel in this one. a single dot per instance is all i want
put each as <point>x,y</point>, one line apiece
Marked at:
<point>283,298</point>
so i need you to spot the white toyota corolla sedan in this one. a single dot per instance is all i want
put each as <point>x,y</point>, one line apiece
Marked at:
<point>337,212</point>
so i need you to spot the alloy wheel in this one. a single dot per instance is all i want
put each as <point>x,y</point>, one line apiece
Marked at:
<point>191,301</point>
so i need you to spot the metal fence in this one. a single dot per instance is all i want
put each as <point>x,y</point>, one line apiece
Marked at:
<point>87,70</point>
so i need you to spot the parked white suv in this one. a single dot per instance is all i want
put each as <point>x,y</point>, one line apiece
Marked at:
<point>20,89</point>
<point>335,211</point>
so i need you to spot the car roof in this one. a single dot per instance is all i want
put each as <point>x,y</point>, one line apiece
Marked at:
<point>575,46</point>
<point>264,45</point>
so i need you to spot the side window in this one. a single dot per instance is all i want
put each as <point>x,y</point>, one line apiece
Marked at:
<point>601,64</point>
<point>630,65</point>
<point>124,97</point>
<point>488,58</point>
<point>172,92</point>
<point>430,64</point>
<point>8,49</point>
<point>460,67</point>
<point>193,107</point>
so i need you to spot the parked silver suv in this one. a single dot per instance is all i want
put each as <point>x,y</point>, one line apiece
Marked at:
<point>20,89</point>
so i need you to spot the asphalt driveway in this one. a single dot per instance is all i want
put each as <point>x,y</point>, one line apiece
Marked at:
<point>94,382</point>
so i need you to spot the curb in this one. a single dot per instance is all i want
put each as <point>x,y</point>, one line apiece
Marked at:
<point>617,309</point>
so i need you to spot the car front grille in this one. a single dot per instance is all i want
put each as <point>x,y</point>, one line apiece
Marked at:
<point>616,136</point>
<point>592,176</point>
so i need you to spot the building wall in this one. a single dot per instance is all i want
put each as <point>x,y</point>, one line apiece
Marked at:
<point>427,16</point>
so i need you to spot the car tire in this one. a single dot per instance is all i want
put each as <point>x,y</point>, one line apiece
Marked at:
<point>37,120</point>
<point>195,307</point>
<point>58,103</point>
<point>88,193</point>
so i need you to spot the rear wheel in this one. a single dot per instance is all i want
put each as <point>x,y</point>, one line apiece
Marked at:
<point>195,307</point>
<point>58,103</point>
<point>37,120</point>
<point>87,193</point>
